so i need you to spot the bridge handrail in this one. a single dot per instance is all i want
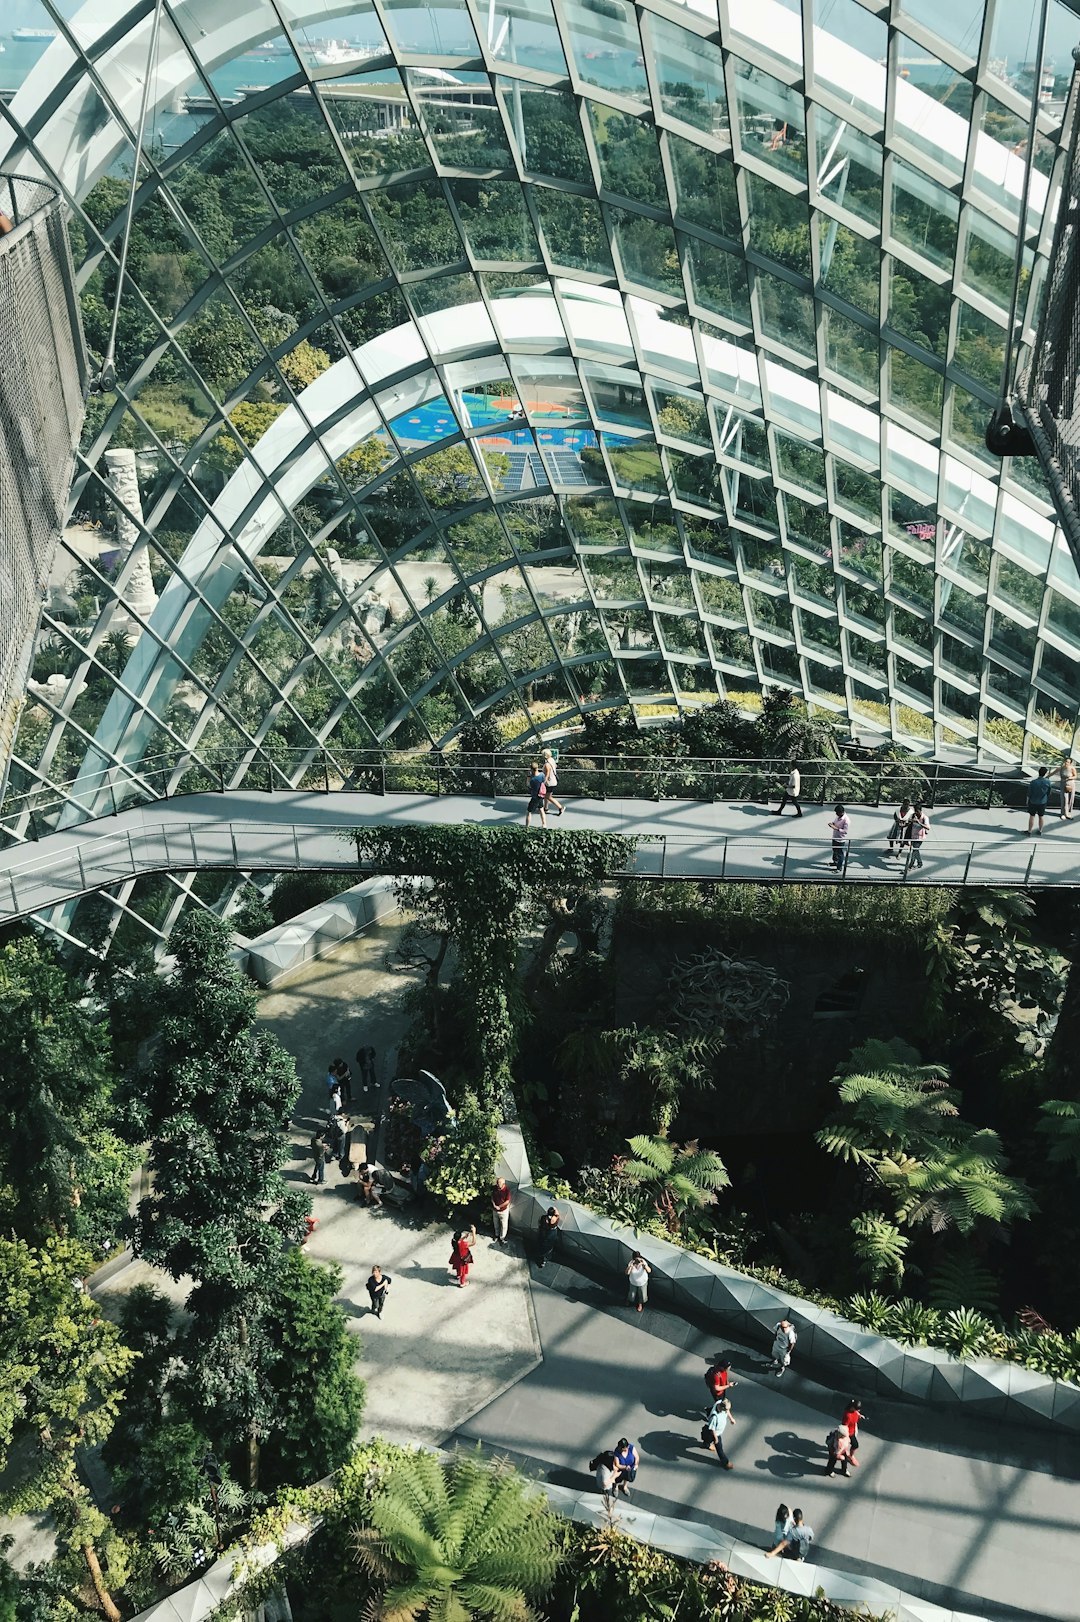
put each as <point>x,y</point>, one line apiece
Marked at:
<point>89,863</point>
<point>862,779</point>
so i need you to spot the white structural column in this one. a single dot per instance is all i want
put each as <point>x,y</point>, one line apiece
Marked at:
<point>139,593</point>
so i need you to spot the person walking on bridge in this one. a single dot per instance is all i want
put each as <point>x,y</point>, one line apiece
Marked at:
<point>841,838</point>
<point>899,830</point>
<point>551,781</point>
<point>792,792</point>
<point>1038,797</point>
<point>537,796</point>
<point>919,830</point>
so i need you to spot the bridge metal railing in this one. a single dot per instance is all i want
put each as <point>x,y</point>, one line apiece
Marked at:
<point>31,813</point>
<point>75,866</point>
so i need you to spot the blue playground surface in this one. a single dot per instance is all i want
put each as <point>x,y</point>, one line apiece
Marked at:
<point>435,420</point>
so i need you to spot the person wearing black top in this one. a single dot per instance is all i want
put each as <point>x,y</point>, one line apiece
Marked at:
<point>378,1288</point>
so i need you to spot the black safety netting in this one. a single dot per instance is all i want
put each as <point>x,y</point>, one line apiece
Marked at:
<point>43,375</point>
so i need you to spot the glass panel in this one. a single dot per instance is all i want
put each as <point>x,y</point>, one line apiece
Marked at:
<point>419,30</point>
<point>547,130</point>
<point>628,155</point>
<point>847,167</point>
<point>690,75</point>
<point>647,250</point>
<point>852,24</point>
<point>496,221</point>
<point>924,214</point>
<point>607,47</point>
<point>770,122</point>
<point>574,232</point>
<point>705,192</point>
<point>718,281</point>
<point>418,227</point>
<point>464,126</point>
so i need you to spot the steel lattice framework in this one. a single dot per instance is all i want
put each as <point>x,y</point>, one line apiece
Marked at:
<point>536,356</point>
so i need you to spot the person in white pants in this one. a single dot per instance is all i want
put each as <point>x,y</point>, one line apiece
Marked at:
<point>500,1210</point>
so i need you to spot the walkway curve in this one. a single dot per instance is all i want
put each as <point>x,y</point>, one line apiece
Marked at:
<point>681,839</point>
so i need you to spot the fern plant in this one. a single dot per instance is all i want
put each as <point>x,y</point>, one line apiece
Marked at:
<point>900,1123</point>
<point>879,1247</point>
<point>960,1281</point>
<point>679,1177</point>
<point>457,1541</point>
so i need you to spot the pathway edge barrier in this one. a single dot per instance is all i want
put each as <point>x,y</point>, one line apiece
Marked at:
<point>856,1358</point>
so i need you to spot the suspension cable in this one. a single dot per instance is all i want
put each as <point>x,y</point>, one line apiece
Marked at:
<point>1012,344</point>
<point>107,375</point>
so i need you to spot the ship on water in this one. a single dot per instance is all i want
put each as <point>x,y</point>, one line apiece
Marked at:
<point>24,35</point>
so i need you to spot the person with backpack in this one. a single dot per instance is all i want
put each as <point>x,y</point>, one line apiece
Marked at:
<point>461,1255</point>
<point>627,1459</point>
<point>782,1526</point>
<point>537,796</point>
<point>1038,798</point>
<point>792,794</point>
<point>852,1415</point>
<point>378,1287</point>
<point>838,1443</point>
<point>603,1468</point>
<point>718,1379</point>
<point>500,1210</point>
<point>784,1338</point>
<point>637,1280</point>
<point>717,1420</point>
<point>343,1075</point>
<point>796,1540</point>
<point>841,838</point>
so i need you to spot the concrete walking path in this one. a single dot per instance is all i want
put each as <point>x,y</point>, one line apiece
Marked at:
<point>962,1515</point>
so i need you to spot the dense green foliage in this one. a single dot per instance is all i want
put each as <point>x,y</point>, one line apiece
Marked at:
<point>63,1167</point>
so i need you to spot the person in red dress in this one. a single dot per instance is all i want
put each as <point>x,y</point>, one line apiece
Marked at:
<point>461,1254</point>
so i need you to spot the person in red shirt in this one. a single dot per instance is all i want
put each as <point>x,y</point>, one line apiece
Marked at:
<point>852,1415</point>
<point>718,1379</point>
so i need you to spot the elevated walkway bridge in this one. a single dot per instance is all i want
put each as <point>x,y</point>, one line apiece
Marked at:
<point>251,830</point>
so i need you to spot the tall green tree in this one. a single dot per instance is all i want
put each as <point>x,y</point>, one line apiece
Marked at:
<point>62,1371</point>
<point>220,1092</point>
<point>457,1541</point>
<point>483,883</point>
<point>63,1168</point>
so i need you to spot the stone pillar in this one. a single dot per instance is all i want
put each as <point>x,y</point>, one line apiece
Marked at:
<point>122,476</point>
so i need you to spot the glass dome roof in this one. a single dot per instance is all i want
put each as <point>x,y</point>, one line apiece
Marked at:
<point>524,359</point>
